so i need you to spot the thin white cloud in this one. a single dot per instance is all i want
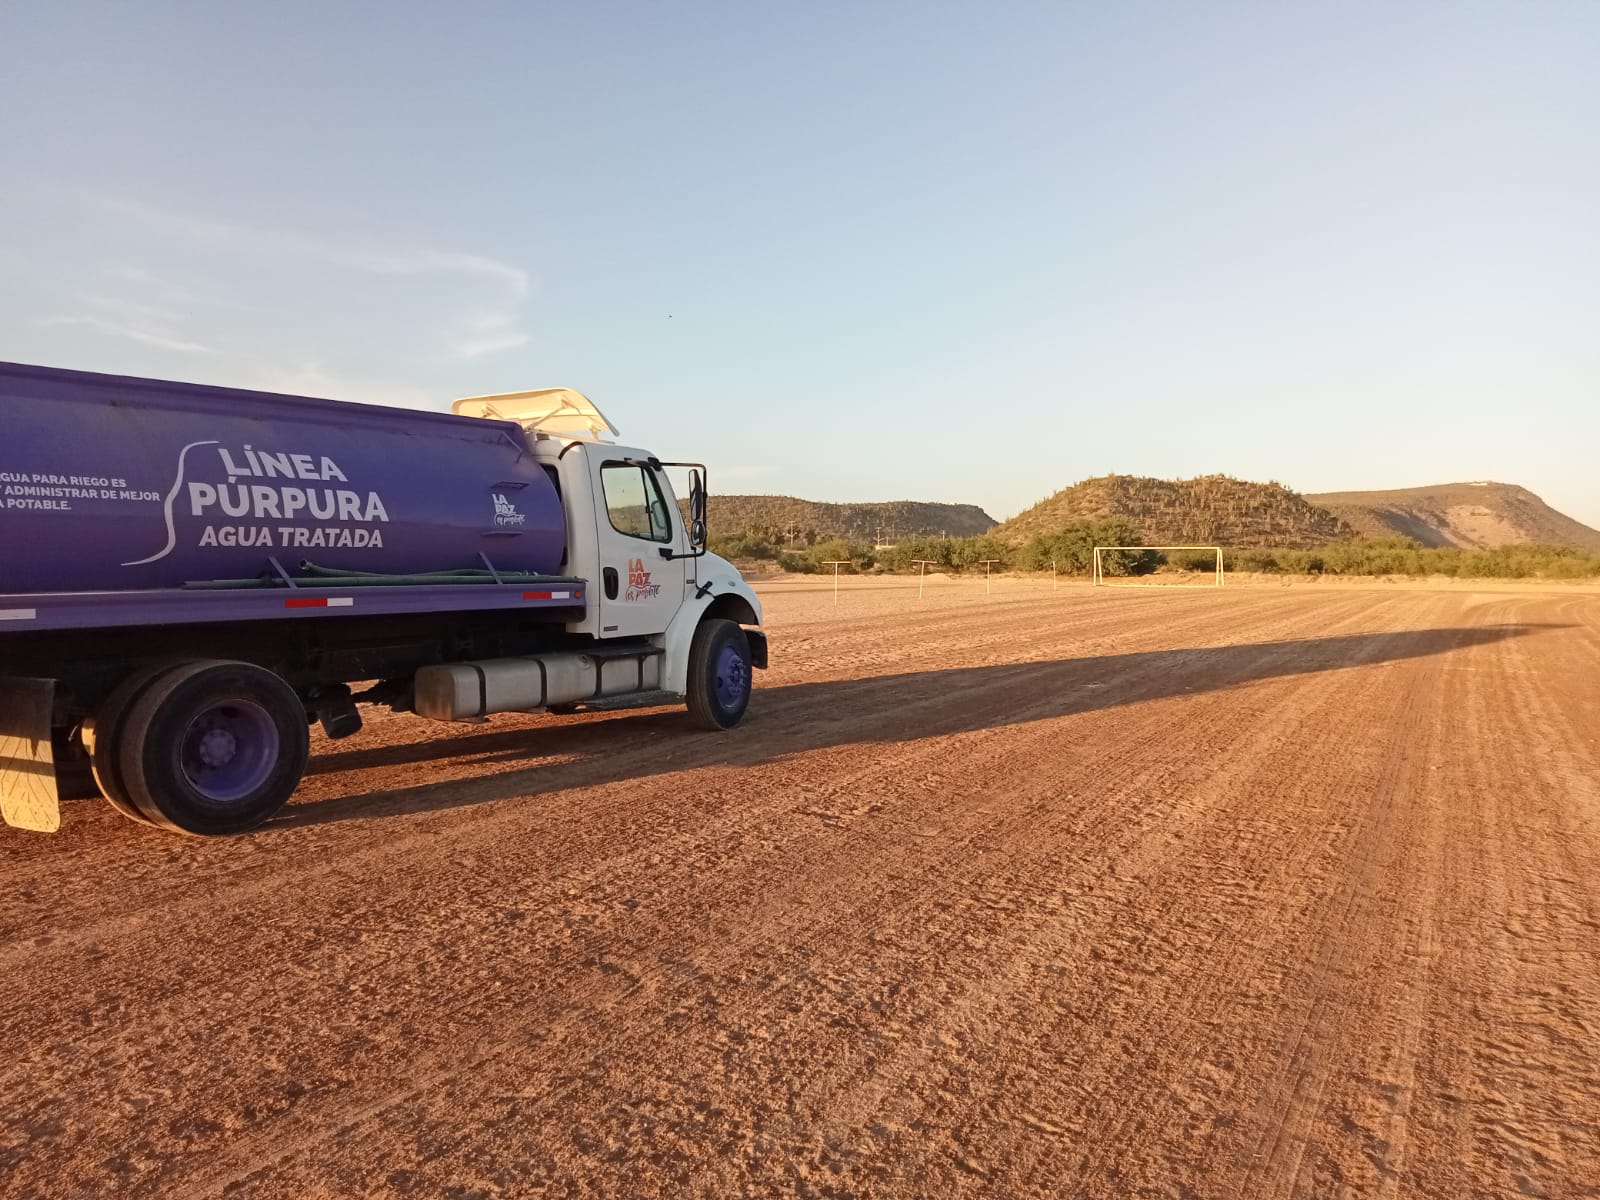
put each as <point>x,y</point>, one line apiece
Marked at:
<point>131,310</point>
<point>371,257</point>
<point>311,378</point>
<point>133,332</point>
<point>492,325</point>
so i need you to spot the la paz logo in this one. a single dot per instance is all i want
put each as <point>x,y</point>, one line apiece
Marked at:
<point>505,512</point>
<point>639,585</point>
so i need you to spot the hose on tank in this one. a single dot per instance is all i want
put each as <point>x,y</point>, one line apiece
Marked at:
<point>307,567</point>
<point>324,577</point>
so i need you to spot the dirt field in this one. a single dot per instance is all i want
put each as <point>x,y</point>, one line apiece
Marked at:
<point>1267,892</point>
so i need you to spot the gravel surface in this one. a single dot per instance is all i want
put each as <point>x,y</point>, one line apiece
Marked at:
<point>1267,892</point>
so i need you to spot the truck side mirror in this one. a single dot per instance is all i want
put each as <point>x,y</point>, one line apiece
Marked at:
<point>697,510</point>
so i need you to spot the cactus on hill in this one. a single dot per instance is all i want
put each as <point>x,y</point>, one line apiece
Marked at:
<point>1209,510</point>
<point>786,521</point>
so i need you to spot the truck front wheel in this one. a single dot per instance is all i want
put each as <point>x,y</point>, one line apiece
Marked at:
<point>214,747</point>
<point>719,674</point>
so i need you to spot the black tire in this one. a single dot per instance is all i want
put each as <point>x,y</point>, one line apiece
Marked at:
<point>109,723</point>
<point>719,674</point>
<point>561,710</point>
<point>214,748</point>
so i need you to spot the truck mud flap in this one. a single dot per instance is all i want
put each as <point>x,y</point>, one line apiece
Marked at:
<point>757,641</point>
<point>28,796</point>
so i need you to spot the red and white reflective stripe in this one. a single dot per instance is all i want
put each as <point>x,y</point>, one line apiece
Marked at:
<point>320,602</point>
<point>19,614</point>
<point>547,595</point>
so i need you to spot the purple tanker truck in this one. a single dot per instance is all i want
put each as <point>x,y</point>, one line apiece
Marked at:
<point>190,576</point>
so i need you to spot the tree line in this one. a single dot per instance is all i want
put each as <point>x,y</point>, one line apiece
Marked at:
<point>1070,551</point>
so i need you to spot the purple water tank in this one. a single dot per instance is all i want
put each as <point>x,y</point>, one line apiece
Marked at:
<point>109,483</point>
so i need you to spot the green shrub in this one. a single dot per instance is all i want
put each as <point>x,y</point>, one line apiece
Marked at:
<point>1070,550</point>
<point>742,545</point>
<point>903,554</point>
<point>813,559</point>
<point>1400,556</point>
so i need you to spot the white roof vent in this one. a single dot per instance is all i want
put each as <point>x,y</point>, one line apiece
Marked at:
<point>553,412</point>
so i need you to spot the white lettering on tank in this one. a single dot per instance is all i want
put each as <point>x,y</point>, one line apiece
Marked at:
<point>280,464</point>
<point>238,499</point>
<point>275,463</point>
<point>231,467</point>
<point>285,503</point>
<point>233,536</point>
<point>235,499</point>
<point>301,538</point>
<point>266,501</point>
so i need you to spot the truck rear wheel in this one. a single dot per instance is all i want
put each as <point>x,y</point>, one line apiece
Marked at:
<point>719,674</point>
<point>214,747</point>
<point>109,723</point>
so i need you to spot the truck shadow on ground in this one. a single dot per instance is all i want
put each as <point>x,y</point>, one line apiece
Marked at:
<point>607,746</point>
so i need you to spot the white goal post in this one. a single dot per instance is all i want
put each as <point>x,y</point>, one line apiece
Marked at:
<point>1100,579</point>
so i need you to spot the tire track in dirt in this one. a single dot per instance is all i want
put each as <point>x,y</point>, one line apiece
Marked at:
<point>850,783</point>
<point>1207,848</point>
<point>1291,1105</point>
<point>1536,907</point>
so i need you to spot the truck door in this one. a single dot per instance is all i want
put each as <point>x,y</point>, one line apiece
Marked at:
<point>641,588</point>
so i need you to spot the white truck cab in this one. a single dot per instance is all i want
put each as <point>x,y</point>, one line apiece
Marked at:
<point>652,583</point>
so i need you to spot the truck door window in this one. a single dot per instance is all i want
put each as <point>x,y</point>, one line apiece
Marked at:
<point>634,502</point>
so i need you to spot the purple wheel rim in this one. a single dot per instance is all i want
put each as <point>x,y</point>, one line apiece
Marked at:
<point>229,750</point>
<point>731,677</point>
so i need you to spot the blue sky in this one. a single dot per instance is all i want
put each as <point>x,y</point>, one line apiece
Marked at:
<point>850,252</point>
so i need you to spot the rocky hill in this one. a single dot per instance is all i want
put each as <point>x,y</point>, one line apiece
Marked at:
<point>1470,515</point>
<point>780,517</point>
<point>1208,510</point>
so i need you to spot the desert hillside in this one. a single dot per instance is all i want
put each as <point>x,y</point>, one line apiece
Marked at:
<point>777,517</point>
<point>1211,509</point>
<point>1470,515</point>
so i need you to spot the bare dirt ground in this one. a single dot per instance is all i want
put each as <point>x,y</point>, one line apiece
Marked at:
<point>1266,892</point>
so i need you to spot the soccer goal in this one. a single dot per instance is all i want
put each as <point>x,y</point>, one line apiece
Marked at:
<point>1100,579</point>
